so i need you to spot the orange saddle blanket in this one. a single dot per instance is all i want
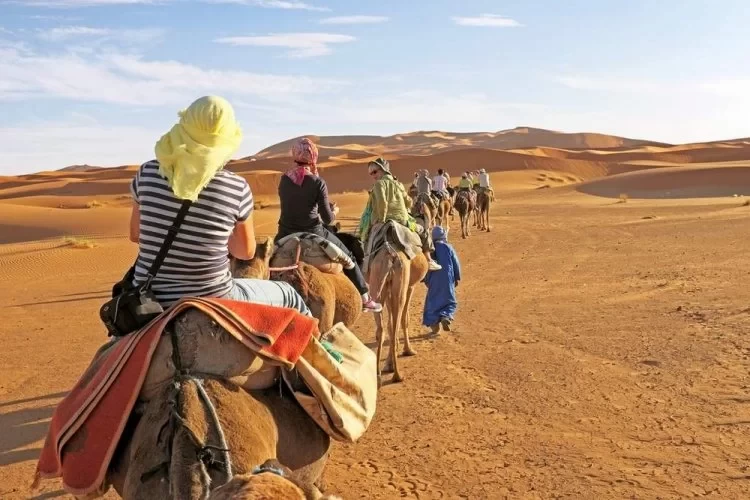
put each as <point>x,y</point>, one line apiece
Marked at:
<point>87,424</point>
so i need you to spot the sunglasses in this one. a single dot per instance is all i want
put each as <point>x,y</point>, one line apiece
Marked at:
<point>373,172</point>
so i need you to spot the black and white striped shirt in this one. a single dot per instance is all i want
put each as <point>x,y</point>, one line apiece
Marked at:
<point>198,261</point>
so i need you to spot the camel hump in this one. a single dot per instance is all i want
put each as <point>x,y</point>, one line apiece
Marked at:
<point>314,250</point>
<point>205,347</point>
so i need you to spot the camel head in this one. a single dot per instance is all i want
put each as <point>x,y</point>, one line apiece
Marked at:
<point>258,266</point>
<point>270,480</point>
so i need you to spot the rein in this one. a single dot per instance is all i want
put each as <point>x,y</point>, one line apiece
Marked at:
<point>293,267</point>
<point>281,269</point>
<point>209,455</point>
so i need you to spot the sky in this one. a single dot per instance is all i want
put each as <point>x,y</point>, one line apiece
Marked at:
<point>99,81</point>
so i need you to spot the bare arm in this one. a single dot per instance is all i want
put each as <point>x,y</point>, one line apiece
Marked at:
<point>135,222</point>
<point>242,240</point>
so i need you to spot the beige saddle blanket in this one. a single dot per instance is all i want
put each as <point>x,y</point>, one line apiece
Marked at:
<point>392,233</point>
<point>311,249</point>
<point>334,379</point>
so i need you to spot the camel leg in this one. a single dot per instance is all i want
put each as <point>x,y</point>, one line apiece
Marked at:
<point>398,288</point>
<point>393,322</point>
<point>379,338</point>
<point>408,351</point>
<point>487,217</point>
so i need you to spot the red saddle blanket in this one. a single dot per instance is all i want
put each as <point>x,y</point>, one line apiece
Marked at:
<point>87,424</point>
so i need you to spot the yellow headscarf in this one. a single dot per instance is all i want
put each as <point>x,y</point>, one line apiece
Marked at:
<point>199,146</point>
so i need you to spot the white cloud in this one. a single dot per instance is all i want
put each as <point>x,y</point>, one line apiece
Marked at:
<point>77,3</point>
<point>128,79</point>
<point>54,18</point>
<point>5,30</point>
<point>275,4</point>
<point>302,44</point>
<point>354,20</point>
<point>63,33</point>
<point>488,20</point>
<point>269,4</point>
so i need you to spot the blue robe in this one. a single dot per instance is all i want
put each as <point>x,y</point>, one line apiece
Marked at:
<point>441,289</point>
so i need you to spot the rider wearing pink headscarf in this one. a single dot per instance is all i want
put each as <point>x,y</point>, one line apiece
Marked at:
<point>305,208</point>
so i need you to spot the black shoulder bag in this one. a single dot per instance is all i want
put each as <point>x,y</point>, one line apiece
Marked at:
<point>134,306</point>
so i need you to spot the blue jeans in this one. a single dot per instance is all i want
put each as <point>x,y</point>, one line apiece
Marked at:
<point>271,293</point>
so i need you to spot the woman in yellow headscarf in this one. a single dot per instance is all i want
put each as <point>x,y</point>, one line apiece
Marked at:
<point>189,165</point>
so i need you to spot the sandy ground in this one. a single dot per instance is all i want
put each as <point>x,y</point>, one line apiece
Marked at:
<point>600,352</point>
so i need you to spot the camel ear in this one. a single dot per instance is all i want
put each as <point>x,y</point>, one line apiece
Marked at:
<point>263,249</point>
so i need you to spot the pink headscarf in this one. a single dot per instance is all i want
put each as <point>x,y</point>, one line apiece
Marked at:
<point>305,155</point>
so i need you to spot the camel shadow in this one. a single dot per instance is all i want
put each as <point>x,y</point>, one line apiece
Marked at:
<point>23,427</point>
<point>80,297</point>
<point>422,337</point>
<point>50,494</point>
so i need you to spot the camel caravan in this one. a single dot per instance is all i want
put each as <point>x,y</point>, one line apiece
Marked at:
<point>231,364</point>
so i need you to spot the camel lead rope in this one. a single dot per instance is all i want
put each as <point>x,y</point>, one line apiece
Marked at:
<point>222,448</point>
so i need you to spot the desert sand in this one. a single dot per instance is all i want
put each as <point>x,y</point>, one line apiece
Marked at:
<point>600,349</point>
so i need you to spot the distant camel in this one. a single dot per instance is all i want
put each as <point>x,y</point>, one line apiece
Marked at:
<point>422,208</point>
<point>444,208</point>
<point>484,201</point>
<point>465,207</point>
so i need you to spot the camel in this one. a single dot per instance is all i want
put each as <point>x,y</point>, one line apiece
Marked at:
<point>441,217</point>
<point>197,432</point>
<point>393,277</point>
<point>465,207</point>
<point>332,298</point>
<point>483,210</point>
<point>423,210</point>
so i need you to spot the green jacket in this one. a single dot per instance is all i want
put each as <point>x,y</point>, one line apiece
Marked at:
<point>387,202</point>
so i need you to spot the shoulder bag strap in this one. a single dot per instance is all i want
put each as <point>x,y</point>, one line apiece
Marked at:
<point>168,240</point>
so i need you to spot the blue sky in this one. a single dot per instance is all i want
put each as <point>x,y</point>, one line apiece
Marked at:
<point>99,81</point>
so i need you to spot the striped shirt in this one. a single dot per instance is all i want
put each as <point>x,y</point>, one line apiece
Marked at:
<point>197,264</point>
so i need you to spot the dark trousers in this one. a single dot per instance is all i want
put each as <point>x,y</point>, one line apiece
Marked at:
<point>355,274</point>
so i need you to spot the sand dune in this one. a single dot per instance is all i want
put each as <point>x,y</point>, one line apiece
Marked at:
<point>426,142</point>
<point>343,159</point>
<point>606,165</point>
<point>674,182</point>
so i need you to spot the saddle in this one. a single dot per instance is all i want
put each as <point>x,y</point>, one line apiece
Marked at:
<point>425,199</point>
<point>398,236</point>
<point>463,194</point>
<point>311,249</point>
<point>331,375</point>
